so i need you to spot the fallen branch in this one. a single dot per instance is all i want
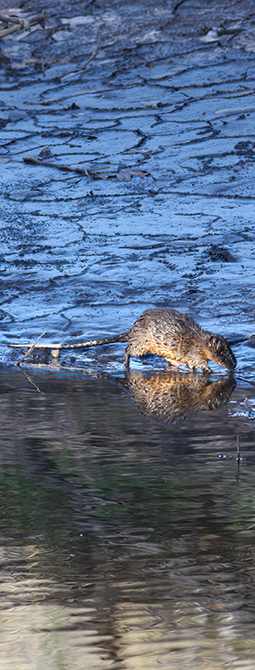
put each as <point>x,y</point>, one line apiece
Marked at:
<point>59,166</point>
<point>92,174</point>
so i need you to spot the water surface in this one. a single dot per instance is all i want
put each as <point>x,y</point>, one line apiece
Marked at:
<point>124,542</point>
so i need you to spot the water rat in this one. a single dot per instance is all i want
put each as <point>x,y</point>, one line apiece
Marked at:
<point>178,338</point>
<point>168,333</point>
<point>165,332</point>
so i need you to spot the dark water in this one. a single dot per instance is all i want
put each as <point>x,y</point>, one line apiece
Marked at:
<point>127,500</point>
<point>124,542</point>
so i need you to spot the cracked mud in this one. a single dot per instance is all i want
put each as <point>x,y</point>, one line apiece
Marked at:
<point>156,105</point>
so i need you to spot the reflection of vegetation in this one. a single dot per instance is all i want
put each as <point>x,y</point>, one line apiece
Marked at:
<point>30,503</point>
<point>85,455</point>
<point>139,495</point>
<point>145,497</point>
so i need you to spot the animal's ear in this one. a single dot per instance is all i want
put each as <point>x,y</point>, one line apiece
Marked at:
<point>212,341</point>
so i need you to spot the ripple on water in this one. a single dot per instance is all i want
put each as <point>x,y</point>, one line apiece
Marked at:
<point>124,542</point>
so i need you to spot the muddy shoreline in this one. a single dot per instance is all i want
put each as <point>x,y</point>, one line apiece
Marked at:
<point>162,99</point>
<point>126,499</point>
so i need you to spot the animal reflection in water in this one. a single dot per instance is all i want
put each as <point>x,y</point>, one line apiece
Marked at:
<point>170,397</point>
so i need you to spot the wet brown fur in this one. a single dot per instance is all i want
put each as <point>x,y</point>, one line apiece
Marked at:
<point>178,338</point>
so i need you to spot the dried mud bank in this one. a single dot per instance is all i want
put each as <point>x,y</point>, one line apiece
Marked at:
<point>153,108</point>
<point>127,501</point>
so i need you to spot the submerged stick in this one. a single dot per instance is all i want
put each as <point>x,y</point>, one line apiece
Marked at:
<point>92,55</point>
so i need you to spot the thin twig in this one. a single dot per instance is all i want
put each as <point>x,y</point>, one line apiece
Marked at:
<point>31,348</point>
<point>238,456</point>
<point>178,5</point>
<point>94,53</point>
<point>31,381</point>
<point>59,166</point>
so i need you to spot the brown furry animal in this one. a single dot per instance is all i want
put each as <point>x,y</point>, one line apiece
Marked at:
<point>178,338</point>
<point>165,332</point>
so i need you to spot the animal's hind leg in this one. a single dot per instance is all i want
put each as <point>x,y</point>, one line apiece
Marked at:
<point>127,357</point>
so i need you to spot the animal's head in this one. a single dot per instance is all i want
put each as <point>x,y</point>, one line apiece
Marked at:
<point>220,351</point>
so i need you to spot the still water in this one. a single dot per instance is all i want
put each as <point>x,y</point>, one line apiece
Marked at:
<point>126,542</point>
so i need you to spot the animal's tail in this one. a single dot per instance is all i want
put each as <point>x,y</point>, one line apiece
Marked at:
<point>122,337</point>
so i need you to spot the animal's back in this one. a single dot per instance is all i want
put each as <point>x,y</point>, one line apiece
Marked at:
<point>178,338</point>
